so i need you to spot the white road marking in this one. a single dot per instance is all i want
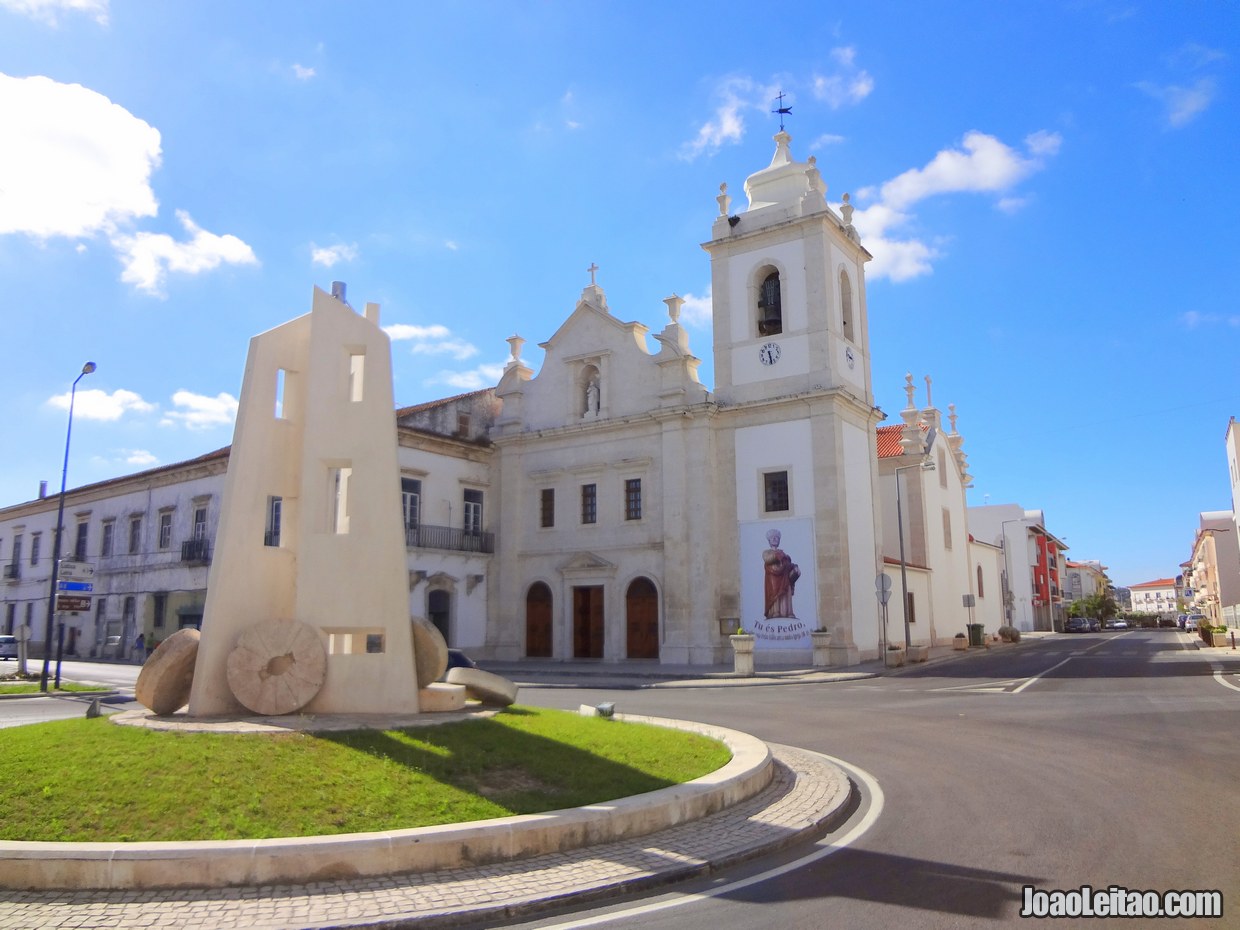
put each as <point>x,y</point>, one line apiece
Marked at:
<point>1075,655</point>
<point>821,852</point>
<point>1219,677</point>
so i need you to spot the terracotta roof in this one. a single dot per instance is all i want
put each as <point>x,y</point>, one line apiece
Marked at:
<point>443,401</point>
<point>1160,583</point>
<point>888,440</point>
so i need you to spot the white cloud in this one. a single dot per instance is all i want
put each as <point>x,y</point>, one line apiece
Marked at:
<point>473,380</point>
<point>825,140</point>
<point>431,340</point>
<point>403,331</point>
<point>48,10</point>
<point>94,404</point>
<point>139,457</point>
<point>698,311</point>
<point>330,255</point>
<point>728,124</point>
<point>848,85</point>
<point>982,164</point>
<point>148,257</point>
<point>1192,319</point>
<point>198,411</point>
<point>1181,104</point>
<point>302,73</point>
<point>84,163</point>
<point>450,245</point>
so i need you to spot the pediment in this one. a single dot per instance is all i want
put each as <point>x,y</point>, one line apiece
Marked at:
<point>587,563</point>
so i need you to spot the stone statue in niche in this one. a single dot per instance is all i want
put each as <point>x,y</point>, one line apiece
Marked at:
<point>592,397</point>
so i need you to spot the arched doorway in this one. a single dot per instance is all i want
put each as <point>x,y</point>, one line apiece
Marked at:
<point>641,609</point>
<point>538,621</point>
<point>439,612</point>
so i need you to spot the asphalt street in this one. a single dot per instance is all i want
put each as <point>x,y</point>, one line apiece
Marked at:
<point>1102,759</point>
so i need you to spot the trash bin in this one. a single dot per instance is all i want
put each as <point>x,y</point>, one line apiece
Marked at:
<point>976,634</point>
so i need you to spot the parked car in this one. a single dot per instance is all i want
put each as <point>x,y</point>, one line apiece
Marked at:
<point>458,659</point>
<point>1119,623</point>
<point>8,647</point>
<point>1192,621</point>
<point>1076,625</point>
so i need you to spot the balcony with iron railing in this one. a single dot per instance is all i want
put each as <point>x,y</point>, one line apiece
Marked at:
<point>13,572</point>
<point>196,551</point>
<point>427,536</point>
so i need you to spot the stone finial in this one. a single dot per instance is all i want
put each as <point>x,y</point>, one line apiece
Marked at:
<point>909,390</point>
<point>514,346</point>
<point>674,303</point>
<point>847,211</point>
<point>951,416</point>
<point>929,402</point>
<point>724,201</point>
<point>815,176</point>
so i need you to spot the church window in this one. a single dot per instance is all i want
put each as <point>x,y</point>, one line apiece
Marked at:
<point>942,466</point>
<point>589,503</point>
<point>846,311</point>
<point>910,609</point>
<point>981,589</point>
<point>633,499</point>
<point>947,528</point>
<point>357,376</point>
<point>547,507</point>
<point>770,306</point>
<point>775,491</point>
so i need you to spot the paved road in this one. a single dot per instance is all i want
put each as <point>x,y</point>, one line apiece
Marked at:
<point>1104,759</point>
<point>18,711</point>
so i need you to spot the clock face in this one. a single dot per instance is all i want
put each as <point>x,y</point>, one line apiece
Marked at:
<point>848,357</point>
<point>769,353</point>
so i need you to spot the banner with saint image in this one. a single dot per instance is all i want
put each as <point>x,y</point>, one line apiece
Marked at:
<point>779,591</point>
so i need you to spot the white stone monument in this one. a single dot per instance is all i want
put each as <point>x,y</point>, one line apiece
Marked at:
<point>310,555</point>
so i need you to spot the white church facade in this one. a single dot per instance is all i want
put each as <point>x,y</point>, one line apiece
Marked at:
<point>608,506</point>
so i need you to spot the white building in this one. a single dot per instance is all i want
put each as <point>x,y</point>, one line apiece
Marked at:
<point>1033,563</point>
<point>1084,579</point>
<point>1160,596</point>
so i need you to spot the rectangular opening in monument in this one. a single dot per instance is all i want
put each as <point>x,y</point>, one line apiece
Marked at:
<point>338,498</point>
<point>357,370</point>
<point>280,393</point>
<point>355,642</point>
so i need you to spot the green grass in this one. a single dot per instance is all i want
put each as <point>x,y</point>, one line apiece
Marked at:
<point>90,780</point>
<point>30,687</point>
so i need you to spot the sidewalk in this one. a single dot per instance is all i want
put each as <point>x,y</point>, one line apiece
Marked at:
<point>634,675</point>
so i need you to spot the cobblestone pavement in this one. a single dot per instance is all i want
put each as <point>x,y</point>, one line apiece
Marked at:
<point>806,796</point>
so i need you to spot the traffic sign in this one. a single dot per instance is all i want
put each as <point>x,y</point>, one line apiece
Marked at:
<point>76,571</point>
<point>75,586</point>
<point>73,602</point>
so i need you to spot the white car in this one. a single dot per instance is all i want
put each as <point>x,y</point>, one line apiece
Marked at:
<point>8,647</point>
<point>1119,624</point>
<point>1190,622</point>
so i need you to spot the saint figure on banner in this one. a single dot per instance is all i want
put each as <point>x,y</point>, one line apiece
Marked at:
<point>781,578</point>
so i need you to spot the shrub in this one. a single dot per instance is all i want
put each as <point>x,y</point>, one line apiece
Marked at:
<point>1009,634</point>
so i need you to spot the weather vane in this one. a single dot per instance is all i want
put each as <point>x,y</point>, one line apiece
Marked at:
<point>781,110</point>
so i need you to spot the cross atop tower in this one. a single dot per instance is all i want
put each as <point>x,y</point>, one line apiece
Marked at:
<point>593,268</point>
<point>782,111</point>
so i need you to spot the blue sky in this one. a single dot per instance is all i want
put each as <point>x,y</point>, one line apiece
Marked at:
<point>1049,190</point>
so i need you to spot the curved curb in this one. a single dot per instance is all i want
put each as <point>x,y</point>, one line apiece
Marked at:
<point>221,863</point>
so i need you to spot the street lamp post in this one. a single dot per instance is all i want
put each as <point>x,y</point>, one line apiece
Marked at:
<point>58,529</point>
<point>925,465</point>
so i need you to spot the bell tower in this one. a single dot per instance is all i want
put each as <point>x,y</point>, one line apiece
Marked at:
<point>796,428</point>
<point>789,288</point>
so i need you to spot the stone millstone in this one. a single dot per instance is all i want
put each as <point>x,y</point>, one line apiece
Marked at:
<point>430,652</point>
<point>484,686</point>
<point>164,682</point>
<point>277,667</point>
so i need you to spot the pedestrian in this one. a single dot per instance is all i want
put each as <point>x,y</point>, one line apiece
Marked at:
<point>139,649</point>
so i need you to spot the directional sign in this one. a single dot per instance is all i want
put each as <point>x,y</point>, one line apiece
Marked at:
<point>75,586</point>
<point>76,571</point>
<point>72,602</point>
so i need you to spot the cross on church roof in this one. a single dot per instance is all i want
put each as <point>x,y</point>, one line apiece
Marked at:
<point>593,268</point>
